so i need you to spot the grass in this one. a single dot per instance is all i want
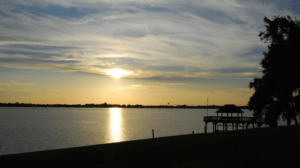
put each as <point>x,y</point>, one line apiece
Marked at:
<point>265,147</point>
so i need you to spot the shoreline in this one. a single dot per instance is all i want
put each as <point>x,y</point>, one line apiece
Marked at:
<point>150,107</point>
<point>263,147</point>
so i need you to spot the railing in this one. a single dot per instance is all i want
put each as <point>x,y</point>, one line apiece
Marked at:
<point>233,119</point>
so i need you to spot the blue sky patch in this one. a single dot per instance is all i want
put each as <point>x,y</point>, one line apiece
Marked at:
<point>53,10</point>
<point>207,13</point>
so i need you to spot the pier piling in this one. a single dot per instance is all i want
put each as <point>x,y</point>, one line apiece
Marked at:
<point>153,133</point>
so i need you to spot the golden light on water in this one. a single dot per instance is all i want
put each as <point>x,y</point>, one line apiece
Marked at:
<point>116,125</point>
<point>117,73</point>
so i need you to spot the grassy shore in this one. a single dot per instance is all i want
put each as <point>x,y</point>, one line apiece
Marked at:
<point>265,147</point>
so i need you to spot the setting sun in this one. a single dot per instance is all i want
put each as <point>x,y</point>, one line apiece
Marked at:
<point>117,73</point>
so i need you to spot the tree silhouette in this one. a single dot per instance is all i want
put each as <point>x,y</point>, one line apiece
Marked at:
<point>277,92</point>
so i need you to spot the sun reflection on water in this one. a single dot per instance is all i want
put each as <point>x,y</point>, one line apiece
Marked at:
<point>115,125</point>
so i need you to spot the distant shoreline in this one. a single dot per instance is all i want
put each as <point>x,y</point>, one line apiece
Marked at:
<point>110,106</point>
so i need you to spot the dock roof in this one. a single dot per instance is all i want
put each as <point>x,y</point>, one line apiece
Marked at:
<point>229,108</point>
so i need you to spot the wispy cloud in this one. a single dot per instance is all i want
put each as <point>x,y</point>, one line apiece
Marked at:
<point>175,84</point>
<point>192,39</point>
<point>162,87</point>
<point>20,91</point>
<point>15,84</point>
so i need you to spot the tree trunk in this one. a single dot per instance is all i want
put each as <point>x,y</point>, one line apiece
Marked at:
<point>295,119</point>
<point>288,117</point>
<point>288,121</point>
<point>272,123</point>
<point>294,112</point>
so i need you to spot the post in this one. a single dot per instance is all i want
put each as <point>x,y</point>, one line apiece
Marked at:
<point>205,129</point>
<point>193,132</point>
<point>207,107</point>
<point>215,127</point>
<point>153,133</point>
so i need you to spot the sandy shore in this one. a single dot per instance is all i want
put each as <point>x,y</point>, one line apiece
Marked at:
<point>265,147</point>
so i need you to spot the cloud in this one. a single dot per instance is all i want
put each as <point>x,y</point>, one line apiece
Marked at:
<point>175,84</point>
<point>24,91</point>
<point>15,84</point>
<point>19,93</point>
<point>139,87</point>
<point>161,87</point>
<point>168,39</point>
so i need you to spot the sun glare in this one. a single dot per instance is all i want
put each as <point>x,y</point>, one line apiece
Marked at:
<point>117,73</point>
<point>116,134</point>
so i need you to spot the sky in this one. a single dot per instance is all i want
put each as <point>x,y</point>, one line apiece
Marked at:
<point>150,52</point>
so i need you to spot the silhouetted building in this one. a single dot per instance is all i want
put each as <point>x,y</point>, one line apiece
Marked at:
<point>235,121</point>
<point>230,109</point>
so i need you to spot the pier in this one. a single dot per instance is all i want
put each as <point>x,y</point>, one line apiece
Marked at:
<point>235,122</point>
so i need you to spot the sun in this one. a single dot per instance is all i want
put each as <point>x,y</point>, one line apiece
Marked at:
<point>117,73</point>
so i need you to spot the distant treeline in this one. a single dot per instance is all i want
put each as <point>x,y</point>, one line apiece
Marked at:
<point>105,105</point>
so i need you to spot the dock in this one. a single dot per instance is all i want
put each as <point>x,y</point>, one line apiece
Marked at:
<point>235,122</point>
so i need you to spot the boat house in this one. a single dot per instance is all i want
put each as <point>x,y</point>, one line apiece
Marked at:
<point>231,116</point>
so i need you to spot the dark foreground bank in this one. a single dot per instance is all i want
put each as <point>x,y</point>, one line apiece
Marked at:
<point>266,147</point>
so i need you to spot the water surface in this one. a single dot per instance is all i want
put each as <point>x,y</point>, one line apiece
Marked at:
<point>27,129</point>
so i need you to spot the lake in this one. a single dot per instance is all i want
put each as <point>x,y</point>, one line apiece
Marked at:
<point>27,129</point>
